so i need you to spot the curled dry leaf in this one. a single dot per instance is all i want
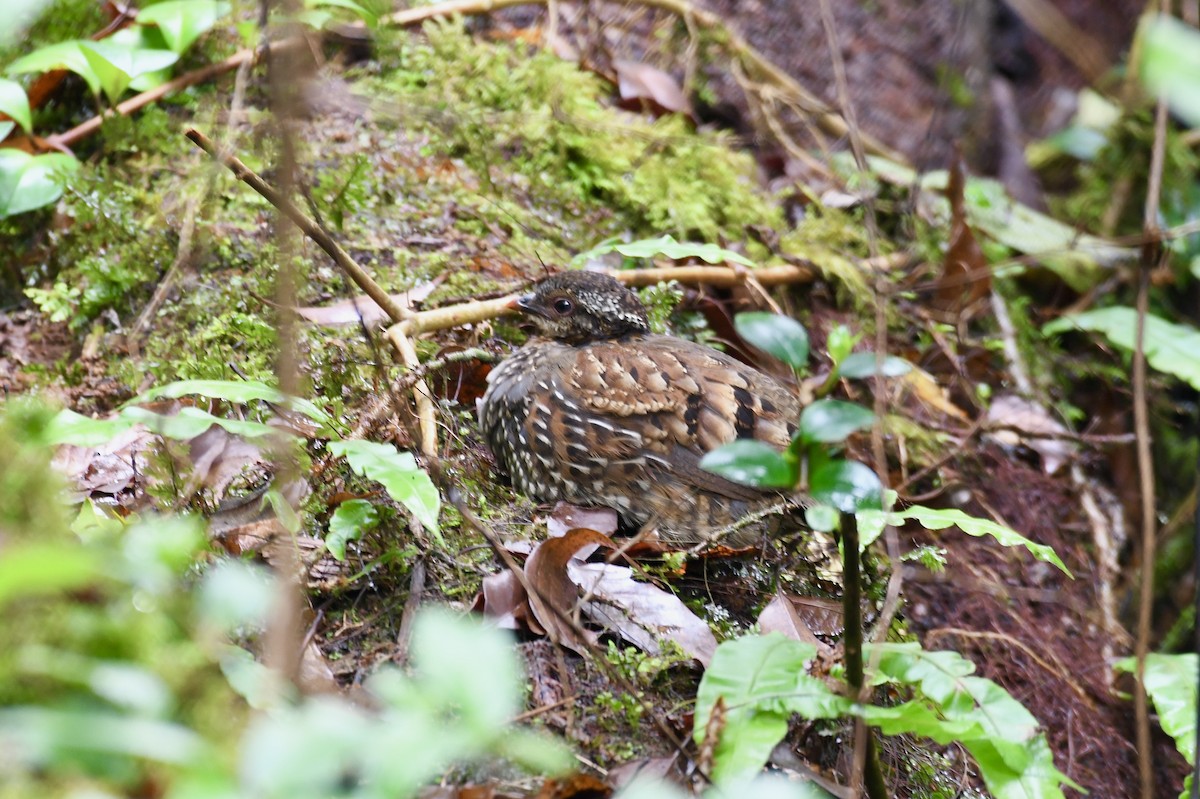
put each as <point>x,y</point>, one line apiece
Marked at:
<point>557,596</point>
<point>1017,416</point>
<point>109,468</point>
<point>965,278</point>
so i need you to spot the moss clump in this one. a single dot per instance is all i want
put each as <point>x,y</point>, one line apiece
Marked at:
<point>545,119</point>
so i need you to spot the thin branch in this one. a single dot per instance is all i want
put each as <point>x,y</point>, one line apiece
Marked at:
<point>1153,256</point>
<point>397,313</point>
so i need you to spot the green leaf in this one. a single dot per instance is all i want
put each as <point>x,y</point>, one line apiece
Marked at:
<point>399,474</point>
<point>236,595</point>
<point>43,735</point>
<point>116,64</point>
<point>349,522</point>
<point>1170,682</point>
<point>183,21</point>
<point>763,680</point>
<point>191,422</point>
<point>1170,65</point>
<point>752,463</point>
<point>1169,347</point>
<point>774,334</point>
<point>38,569</point>
<point>938,519</point>
<point>664,245</point>
<point>953,705</point>
<point>240,391</point>
<point>849,486</point>
<point>839,343</point>
<point>359,11</point>
<point>60,55</point>
<point>862,364</point>
<point>31,181</point>
<point>447,652</point>
<point>14,103</point>
<point>833,421</point>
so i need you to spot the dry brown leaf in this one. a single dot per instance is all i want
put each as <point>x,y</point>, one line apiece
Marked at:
<point>566,517</point>
<point>782,616</point>
<point>504,601</point>
<point>639,83</point>
<point>1032,419</point>
<point>966,278</point>
<point>641,613</point>
<point>554,605</point>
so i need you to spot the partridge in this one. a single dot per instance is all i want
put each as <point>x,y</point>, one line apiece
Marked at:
<point>596,410</point>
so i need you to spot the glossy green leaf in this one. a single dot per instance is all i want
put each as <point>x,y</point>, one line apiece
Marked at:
<point>664,245</point>
<point>839,343</point>
<point>752,463</point>
<point>183,21</point>
<point>31,181</point>
<point>69,427</point>
<point>399,474</point>
<point>940,518</point>
<point>849,486</point>
<point>1170,682</point>
<point>15,103</point>
<point>60,55</point>
<point>775,334</point>
<point>763,680</point>
<point>349,522</point>
<point>1170,348</point>
<point>7,126</point>
<point>116,65</point>
<point>822,518</point>
<point>862,364</point>
<point>833,421</point>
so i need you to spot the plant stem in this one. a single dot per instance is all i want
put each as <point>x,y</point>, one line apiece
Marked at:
<point>852,642</point>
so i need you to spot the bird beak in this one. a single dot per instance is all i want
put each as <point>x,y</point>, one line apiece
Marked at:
<point>527,303</point>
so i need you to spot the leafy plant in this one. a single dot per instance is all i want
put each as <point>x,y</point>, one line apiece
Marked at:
<point>1171,348</point>
<point>399,474</point>
<point>763,680</point>
<point>810,463</point>
<point>1170,682</point>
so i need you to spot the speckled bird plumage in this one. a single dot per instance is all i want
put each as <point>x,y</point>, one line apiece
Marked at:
<point>596,410</point>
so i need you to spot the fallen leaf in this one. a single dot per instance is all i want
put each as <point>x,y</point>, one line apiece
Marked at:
<point>566,517</point>
<point>782,616</point>
<point>641,613</point>
<point>557,594</point>
<point>349,311</point>
<point>503,599</point>
<point>965,278</point>
<point>639,83</point>
<point>1022,416</point>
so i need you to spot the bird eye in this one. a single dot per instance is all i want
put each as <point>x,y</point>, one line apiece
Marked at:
<point>563,306</point>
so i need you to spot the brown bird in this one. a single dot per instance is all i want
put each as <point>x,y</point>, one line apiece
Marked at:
<point>596,410</point>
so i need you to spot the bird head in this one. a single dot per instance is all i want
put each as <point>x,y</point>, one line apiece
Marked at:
<point>578,307</point>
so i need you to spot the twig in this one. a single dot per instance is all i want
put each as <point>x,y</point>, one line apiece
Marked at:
<point>1153,255</point>
<point>773,75</point>
<point>139,101</point>
<point>397,313</point>
<point>483,310</point>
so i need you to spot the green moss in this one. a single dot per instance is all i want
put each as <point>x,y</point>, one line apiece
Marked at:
<point>501,109</point>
